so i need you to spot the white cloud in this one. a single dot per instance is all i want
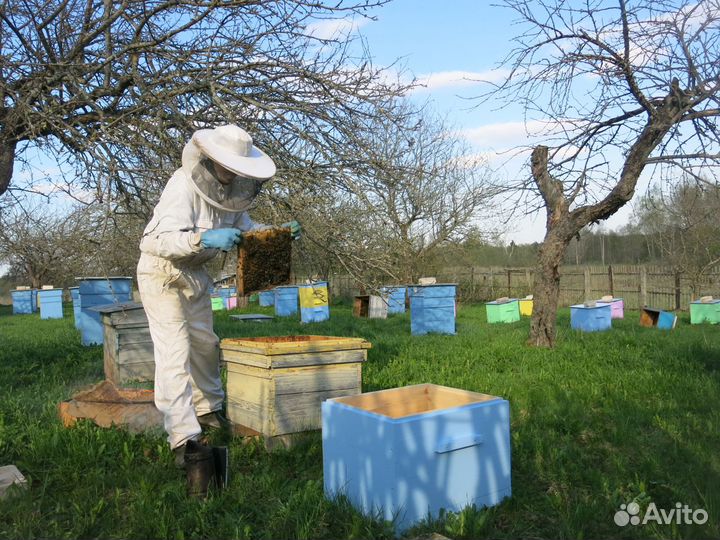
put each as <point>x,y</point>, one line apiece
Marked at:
<point>456,79</point>
<point>504,135</point>
<point>335,28</point>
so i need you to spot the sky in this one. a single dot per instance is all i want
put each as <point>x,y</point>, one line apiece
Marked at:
<point>445,43</point>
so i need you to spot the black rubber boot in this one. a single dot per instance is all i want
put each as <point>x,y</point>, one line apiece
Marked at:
<point>199,469</point>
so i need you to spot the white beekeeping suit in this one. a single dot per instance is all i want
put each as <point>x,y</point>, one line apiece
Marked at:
<point>174,285</point>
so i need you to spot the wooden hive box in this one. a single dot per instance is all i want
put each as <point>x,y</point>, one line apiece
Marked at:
<point>410,452</point>
<point>128,351</point>
<point>653,317</point>
<point>275,385</point>
<point>617,306</point>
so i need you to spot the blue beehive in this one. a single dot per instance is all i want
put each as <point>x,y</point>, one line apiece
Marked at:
<point>286,300</point>
<point>266,298</point>
<point>51,303</point>
<point>98,291</point>
<point>591,318</point>
<point>432,308</point>
<point>75,294</point>
<point>410,452</point>
<point>314,302</point>
<point>22,302</point>
<point>395,299</point>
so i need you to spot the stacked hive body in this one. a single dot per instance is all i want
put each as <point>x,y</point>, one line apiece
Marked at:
<point>99,291</point>
<point>705,311</point>
<point>229,297</point>
<point>410,452</point>
<point>127,344</point>
<point>432,308</point>
<point>591,318</point>
<point>275,384</point>
<point>22,301</point>
<point>503,310</point>
<point>286,301</point>
<point>51,303</point>
<point>314,302</point>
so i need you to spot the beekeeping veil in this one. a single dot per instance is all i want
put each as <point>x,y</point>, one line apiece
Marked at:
<point>232,148</point>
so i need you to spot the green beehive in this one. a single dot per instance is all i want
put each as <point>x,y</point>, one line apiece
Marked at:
<point>705,310</point>
<point>503,310</point>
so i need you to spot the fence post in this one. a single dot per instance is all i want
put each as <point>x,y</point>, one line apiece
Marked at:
<point>509,278</point>
<point>587,283</point>
<point>528,278</point>
<point>492,283</point>
<point>643,286</point>
<point>610,280</point>
<point>677,291</point>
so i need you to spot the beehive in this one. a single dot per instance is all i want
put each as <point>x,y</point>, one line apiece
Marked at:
<point>503,311</point>
<point>286,300</point>
<point>617,307</point>
<point>526,306</point>
<point>652,317</point>
<point>395,297</point>
<point>99,291</point>
<point>314,302</point>
<point>75,295</point>
<point>266,298</point>
<point>410,452</point>
<point>128,351</point>
<point>50,303</point>
<point>370,306</point>
<point>705,311</point>
<point>432,308</point>
<point>22,301</point>
<point>590,318</point>
<point>275,384</point>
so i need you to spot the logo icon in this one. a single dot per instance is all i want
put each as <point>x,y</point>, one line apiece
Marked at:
<point>628,514</point>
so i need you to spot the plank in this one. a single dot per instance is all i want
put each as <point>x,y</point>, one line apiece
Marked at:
<point>293,360</point>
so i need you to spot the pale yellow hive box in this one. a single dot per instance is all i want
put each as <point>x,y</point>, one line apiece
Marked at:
<point>275,385</point>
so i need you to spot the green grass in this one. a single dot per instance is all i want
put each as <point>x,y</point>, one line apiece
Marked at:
<point>604,419</point>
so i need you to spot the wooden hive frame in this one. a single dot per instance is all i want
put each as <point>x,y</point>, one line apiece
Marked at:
<point>264,259</point>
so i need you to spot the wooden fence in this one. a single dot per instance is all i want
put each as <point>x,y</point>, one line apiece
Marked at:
<point>655,286</point>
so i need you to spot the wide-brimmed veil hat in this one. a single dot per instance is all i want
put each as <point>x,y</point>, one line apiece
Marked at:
<point>232,147</point>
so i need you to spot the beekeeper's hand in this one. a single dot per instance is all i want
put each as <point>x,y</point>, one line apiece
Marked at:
<point>294,227</point>
<point>223,239</point>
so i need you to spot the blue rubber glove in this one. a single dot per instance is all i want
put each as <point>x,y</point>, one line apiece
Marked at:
<point>294,227</point>
<point>221,238</point>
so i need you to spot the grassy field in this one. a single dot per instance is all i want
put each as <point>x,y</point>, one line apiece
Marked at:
<point>604,419</point>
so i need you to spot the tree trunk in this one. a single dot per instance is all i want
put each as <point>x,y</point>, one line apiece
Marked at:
<point>7,162</point>
<point>546,291</point>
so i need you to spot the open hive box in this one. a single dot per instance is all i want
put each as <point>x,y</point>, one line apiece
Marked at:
<point>415,450</point>
<point>263,260</point>
<point>275,385</point>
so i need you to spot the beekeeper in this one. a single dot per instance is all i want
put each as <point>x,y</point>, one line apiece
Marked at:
<point>202,211</point>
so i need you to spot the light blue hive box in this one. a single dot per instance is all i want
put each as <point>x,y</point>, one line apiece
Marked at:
<point>432,308</point>
<point>591,318</point>
<point>409,452</point>
<point>266,298</point>
<point>22,302</point>
<point>286,300</point>
<point>395,298</point>
<point>98,291</point>
<point>51,303</point>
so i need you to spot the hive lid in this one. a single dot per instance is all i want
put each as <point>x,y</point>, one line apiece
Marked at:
<point>253,317</point>
<point>293,344</point>
<point>116,306</point>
